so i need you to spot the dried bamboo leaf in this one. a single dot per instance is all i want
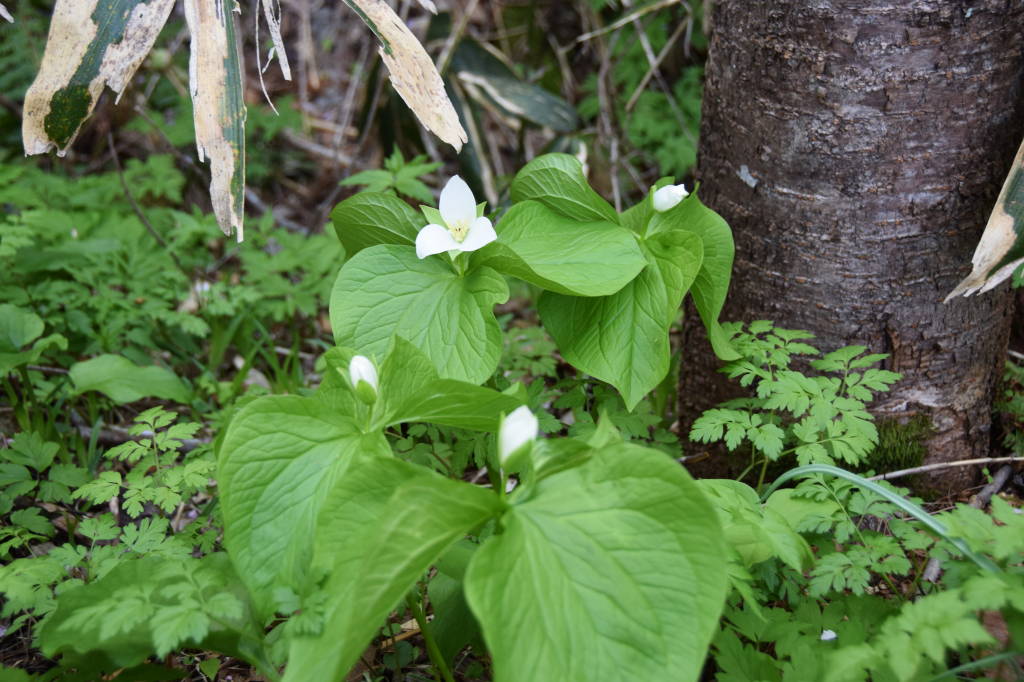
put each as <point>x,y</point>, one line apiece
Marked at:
<point>92,43</point>
<point>1001,248</point>
<point>7,15</point>
<point>413,74</point>
<point>272,13</point>
<point>495,81</point>
<point>215,80</point>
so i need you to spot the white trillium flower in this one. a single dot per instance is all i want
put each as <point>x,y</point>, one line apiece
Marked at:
<point>463,230</point>
<point>828,635</point>
<point>517,430</point>
<point>668,197</point>
<point>363,375</point>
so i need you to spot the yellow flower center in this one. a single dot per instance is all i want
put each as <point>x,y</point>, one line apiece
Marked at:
<point>459,230</point>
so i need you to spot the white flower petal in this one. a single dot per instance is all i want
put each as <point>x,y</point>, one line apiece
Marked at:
<point>517,429</point>
<point>457,203</point>
<point>668,197</point>
<point>361,368</point>
<point>434,239</point>
<point>828,635</point>
<point>481,233</point>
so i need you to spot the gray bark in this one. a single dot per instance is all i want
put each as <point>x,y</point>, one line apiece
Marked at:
<point>855,148</point>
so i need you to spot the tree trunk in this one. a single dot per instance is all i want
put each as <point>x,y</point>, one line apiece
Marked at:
<point>856,148</point>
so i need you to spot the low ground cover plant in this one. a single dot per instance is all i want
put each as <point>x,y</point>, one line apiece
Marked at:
<point>505,482</point>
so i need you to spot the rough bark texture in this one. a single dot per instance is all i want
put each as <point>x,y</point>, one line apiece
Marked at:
<point>855,148</point>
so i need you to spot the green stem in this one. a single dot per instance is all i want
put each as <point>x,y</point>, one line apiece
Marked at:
<point>747,470</point>
<point>764,470</point>
<point>433,650</point>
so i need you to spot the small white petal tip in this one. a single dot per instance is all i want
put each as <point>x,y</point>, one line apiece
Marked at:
<point>517,430</point>
<point>363,375</point>
<point>668,197</point>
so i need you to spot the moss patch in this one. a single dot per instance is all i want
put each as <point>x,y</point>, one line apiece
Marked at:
<point>901,445</point>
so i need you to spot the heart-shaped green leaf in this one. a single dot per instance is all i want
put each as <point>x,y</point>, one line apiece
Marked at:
<point>386,290</point>
<point>280,457</point>
<point>18,327</point>
<point>370,218</point>
<point>557,181</point>
<point>123,381</point>
<point>712,284</point>
<point>561,254</point>
<point>623,338</point>
<point>613,570</point>
<point>383,526</point>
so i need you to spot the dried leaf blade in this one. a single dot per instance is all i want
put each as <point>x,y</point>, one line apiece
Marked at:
<point>90,44</point>
<point>215,81</point>
<point>1001,248</point>
<point>413,73</point>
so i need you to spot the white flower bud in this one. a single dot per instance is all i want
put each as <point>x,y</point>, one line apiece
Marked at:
<point>363,375</point>
<point>828,635</point>
<point>668,197</point>
<point>517,430</point>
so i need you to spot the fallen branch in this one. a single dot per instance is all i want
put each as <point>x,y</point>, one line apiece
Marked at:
<point>944,465</point>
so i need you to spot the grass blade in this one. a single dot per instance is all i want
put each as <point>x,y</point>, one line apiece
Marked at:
<point>929,521</point>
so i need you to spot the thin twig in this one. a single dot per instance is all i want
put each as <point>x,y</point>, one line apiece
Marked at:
<point>655,66</point>
<point>455,37</point>
<point>138,210</point>
<point>945,465</point>
<point>626,20</point>
<point>48,370</point>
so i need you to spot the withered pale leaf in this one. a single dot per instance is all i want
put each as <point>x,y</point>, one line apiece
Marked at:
<point>428,5</point>
<point>272,13</point>
<point>413,74</point>
<point>215,80</point>
<point>7,15</point>
<point>92,43</point>
<point>1001,248</point>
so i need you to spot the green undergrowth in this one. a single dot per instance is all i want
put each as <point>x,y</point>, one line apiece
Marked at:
<point>148,381</point>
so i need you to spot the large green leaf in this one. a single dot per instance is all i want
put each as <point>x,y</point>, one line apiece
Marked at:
<point>557,181</point>
<point>756,533</point>
<point>280,457</point>
<point>612,570</point>
<point>18,327</point>
<point>378,548</point>
<point>623,338</point>
<point>455,627</point>
<point>386,290</point>
<point>712,284</point>
<point>679,256</point>
<point>370,218</point>
<point>124,382</point>
<point>561,254</point>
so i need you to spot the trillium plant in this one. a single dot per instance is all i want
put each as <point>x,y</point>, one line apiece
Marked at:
<point>593,559</point>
